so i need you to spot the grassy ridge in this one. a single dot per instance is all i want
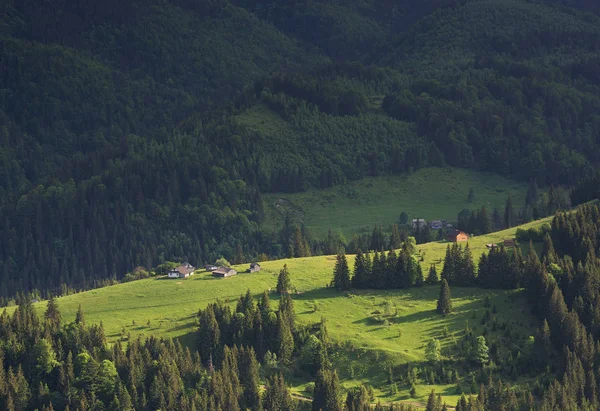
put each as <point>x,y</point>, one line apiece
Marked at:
<point>366,345</point>
<point>432,193</point>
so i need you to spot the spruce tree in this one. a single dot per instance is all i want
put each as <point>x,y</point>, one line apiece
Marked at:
<point>52,313</point>
<point>419,280</point>
<point>285,339</point>
<point>341,273</point>
<point>444,304</point>
<point>286,306</point>
<point>395,239</point>
<point>283,281</point>
<point>250,380</point>
<point>432,277</point>
<point>483,352</point>
<point>361,274</point>
<point>327,391</point>
<point>277,395</point>
<point>79,317</point>
<point>448,271</point>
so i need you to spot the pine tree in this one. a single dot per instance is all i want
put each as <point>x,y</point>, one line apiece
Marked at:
<point>209,335</point>
<point>358,399</point>
<point>283,281</point>
<point>432,277</point>
<point>434,403</point>
<point>360,278</point>
<point>286,306</point>
<point>327,391</point>
<point>444,304</point>
<point>395,239</point>
<point>483,352</point>
<point>250,380</point>
<point>79,317</point>
<point>419,280</point>
<point>433,351</point>
<point>52,314</point>
<point>448,271</point>
<point>285,339</point>
<point>277,395</point>
<point>341,273</point>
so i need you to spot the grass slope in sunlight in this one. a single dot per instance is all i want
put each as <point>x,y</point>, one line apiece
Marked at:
<point>368,346</point>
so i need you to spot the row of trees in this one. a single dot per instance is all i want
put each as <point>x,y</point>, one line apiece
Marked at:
<point>385,270</point>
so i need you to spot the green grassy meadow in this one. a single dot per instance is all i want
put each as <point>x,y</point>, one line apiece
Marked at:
<point>366,347</point>
<point>430,193</point>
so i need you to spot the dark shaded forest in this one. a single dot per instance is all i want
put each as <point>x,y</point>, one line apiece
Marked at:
<point>121,144</point>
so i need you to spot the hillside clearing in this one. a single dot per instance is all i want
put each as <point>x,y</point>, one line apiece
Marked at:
<point>430,193</point>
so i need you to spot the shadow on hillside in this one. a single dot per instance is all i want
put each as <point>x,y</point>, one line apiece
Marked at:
<point>454,322</point>
<point>317,294</point>
<point>189,340</point>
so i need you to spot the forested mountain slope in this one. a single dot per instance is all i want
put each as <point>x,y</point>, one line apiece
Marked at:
<point>123,140</point>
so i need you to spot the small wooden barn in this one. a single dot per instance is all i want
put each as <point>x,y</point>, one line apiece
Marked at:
<point>457,236</point>
<point>224,272</point>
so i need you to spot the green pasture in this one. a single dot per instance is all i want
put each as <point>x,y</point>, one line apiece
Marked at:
<point>367,345</point>
<point>430,193</point>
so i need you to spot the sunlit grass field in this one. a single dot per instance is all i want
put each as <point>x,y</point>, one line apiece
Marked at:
<point>167,308</point>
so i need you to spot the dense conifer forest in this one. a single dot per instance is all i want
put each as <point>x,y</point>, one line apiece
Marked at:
<point>122,145</point>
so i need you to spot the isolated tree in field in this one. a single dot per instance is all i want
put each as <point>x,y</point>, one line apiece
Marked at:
<point>471,197</point>
<point>444,304</point>
<point>79,317</point>
<point>433,351</point>
<point>341,273</point>
<point>483,352</point>
<point>432,277</point>
<point>283,281</point>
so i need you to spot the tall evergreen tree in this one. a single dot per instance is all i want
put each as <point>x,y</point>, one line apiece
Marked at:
<point>52,313</point>
<point>444,304</point>
<point>283,281</point>
<point>277,395</point>
<point>360,279</point>
<point>432,277</point>
<point>341,273</point>
<point>250,380</point>
<point>285,339</point>
<point>327,391</point>
<point>395,239</point>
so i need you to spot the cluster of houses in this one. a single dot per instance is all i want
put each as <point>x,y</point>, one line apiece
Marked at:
<point>420,223</point>
<point>186,269</point>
